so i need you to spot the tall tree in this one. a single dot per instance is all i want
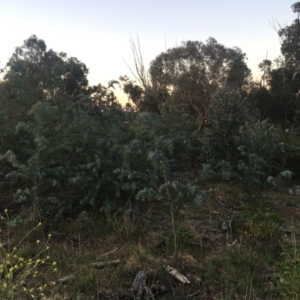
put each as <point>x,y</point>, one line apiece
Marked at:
<point>290,43</point>
<point>194,71</point>
<point>41,73</point>
<point>34,74</point>
<point>281,79</point>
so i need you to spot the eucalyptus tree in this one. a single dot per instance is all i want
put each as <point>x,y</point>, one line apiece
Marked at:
<point>289,37</point>
<point>52,140</point>
<point>278,97</point>
<point>193,72</point>
<point>43,72</point>
<point>34,74</point>
<point>290,73</point>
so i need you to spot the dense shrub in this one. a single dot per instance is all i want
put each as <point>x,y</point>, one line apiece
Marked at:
<point>70,157</point>
<point>242,148</point>
<point>67,147</point>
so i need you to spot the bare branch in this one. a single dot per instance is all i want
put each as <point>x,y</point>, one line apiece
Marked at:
<point>140,74</point>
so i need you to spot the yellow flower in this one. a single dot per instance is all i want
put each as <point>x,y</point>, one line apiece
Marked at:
<point>37,241</point>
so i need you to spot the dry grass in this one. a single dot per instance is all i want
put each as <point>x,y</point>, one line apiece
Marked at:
<point>220,263</point>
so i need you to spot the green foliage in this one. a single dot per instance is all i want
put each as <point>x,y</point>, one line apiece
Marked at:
<point>278,97</point>
<point>259,223</point>
<point>59,149</point>
<point>294,141</point>
<point>287,274</point>
<point>19,274</point>
<point>229,110</point>
<point>156,142</point>
<point>184,240</point>
<point>289,35</point>
<point>65,154</point>
<point>287,278</point>
<point>263,153</point>
<point>239,148</point>
<point>191,73</point>
<point>67,147</point>
<point>70,151</point>
<point>238,273</point>
<point>170,192</point>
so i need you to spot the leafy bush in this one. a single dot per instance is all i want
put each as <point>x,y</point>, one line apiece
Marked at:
<point>71,156</point>
<point>230,109</point>
<point>170,192</point>
<point>67,147</point>
<point>294,141</point>
<point>242,149</point>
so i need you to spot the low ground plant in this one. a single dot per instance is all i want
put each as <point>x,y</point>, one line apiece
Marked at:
<point>22,275</point>
<point>287,278</point>
<point>259,223</point>
<point>287,275</point>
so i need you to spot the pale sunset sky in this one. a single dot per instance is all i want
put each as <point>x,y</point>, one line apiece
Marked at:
<point>97,32</point>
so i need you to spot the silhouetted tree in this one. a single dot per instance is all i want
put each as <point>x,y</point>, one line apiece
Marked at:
<point>278,98</point>
<point>194,71</point>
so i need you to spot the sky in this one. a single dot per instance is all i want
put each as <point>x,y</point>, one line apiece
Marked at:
<point>98,32</point>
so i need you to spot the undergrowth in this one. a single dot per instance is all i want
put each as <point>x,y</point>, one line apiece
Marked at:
<point>253,259</point>
<point>24,274</point>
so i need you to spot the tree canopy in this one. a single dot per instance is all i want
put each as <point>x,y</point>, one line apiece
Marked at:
<point>190,74</point>
<point>58,133</point>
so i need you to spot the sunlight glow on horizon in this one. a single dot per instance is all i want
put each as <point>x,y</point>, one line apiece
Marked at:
<point>98,32</point>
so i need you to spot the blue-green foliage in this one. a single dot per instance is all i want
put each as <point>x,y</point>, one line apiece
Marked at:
<point>67,147</point>
<point>164,189</point>
<point>71,157</point>
<point>242,149</point>
<point>157,141</point>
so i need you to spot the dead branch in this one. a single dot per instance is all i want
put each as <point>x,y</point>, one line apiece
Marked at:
<point>176,274</point>
<point>103,264</point>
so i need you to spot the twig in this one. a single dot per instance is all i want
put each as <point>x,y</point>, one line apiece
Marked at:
<point>102,264</point>
<point>66,279</point>
<point>107,253</point>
